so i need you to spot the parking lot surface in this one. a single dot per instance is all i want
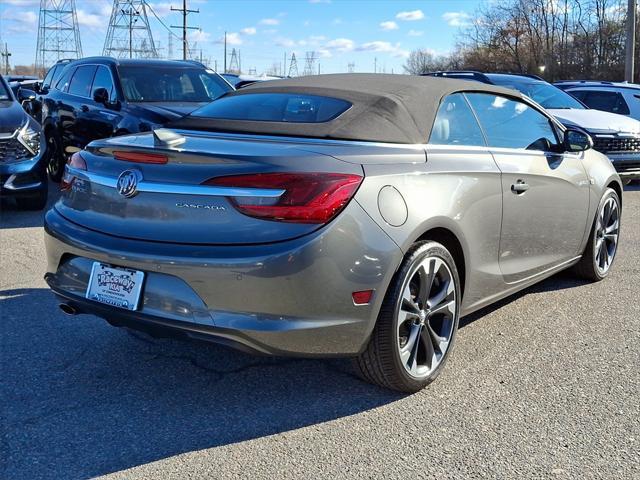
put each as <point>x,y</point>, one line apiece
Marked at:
<point>546,384</point>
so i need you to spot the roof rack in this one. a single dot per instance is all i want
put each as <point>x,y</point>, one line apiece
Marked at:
<point>479,76</point>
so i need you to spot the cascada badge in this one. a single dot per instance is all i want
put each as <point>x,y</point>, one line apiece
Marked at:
<point>116,283</point>
<point>127,184</point>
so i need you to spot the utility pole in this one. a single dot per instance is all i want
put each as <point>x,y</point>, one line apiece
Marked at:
<point>631,41</point>
<point>375,65</point>
<point>131,13</point>
<point>284,65</point>
<point>6,54</point>
<point>225,52</point>
<point>185,11</point>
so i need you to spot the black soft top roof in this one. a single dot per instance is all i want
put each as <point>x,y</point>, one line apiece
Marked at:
<point>386,108</point>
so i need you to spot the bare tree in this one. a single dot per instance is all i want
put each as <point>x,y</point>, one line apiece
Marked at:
<point>424,61</point>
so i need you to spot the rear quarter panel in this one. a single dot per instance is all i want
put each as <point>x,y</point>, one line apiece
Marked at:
<point>458,189</point>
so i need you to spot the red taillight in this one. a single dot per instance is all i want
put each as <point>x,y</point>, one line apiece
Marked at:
<point>140,157</point>
<point>76,161</point>
<point>307,197</point>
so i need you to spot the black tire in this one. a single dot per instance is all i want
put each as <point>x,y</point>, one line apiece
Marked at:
<point>381,362</point>
<point>55,158</point>
<point>37,201</point>
<point>587,268</point>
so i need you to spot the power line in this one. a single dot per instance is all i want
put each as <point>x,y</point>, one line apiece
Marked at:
<point>185,11</point>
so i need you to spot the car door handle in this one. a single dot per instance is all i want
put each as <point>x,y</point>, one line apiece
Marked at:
<point>519,187</point>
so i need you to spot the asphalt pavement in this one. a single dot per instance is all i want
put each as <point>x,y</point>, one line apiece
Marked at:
<point>546,384</point>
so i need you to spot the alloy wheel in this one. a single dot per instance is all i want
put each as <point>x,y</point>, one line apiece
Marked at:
<point>606,237</point>
<point>426,315</point>
<point>53,152</point>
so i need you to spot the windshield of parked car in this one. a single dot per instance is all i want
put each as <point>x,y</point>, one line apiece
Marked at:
<point>543,93</point>
<point>4,91</point>
<point>170,84</point>
<point>275,107</point>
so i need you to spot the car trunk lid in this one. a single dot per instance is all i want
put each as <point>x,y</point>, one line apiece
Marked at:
<point>174,199</point>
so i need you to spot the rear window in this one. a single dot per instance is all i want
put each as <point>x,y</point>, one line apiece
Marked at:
<point>275,107</point>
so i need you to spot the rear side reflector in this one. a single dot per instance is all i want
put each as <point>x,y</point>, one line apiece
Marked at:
<point>363,297</point>
<point>76,161</point>
<point>140,157</point>
<point>308,197</point>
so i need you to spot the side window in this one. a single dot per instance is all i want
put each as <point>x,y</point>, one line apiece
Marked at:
<point>49,77</point>
<point>607,101</point>
<point>81,81</point>
<point>103,80</point>
<point>579,94</point>
<point>510,123</point>
<point>455,124</point>
<point>63,83</point>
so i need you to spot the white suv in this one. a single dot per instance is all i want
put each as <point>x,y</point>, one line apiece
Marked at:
<point>616,136</point>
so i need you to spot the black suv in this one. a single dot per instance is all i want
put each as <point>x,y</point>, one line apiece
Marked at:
<point>102,97</point>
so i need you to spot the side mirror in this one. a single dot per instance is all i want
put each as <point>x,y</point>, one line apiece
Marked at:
<point>577,141</point>
<point>25,95</point>
<point>101,95</point>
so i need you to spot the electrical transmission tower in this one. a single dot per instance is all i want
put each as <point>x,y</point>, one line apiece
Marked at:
<point>58,33</point>
<point>351,66</point>
<point>234,66</point>
<point>129,34</point>
<point>310,63</point>
<point>293,66</point>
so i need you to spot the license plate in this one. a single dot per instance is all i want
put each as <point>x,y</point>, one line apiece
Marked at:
<point>119,287</point>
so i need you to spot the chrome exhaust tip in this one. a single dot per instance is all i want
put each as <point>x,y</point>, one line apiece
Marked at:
<point>67,309</point>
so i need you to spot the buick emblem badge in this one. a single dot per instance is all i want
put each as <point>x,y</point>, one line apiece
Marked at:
<point>127,184</point>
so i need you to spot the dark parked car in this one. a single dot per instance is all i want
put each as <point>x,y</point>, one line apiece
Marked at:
<point>616,97</point>
<point>22,156</point>
<point>102,97</point>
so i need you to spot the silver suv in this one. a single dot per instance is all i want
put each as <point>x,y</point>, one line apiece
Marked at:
<point>616,97</point>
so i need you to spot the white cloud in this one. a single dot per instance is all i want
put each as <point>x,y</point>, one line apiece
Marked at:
<point>202,36</point>
<point>456,19</point>
<point>233,38</point>
<point>336,21</point>
<point>383,47</point>
<point>20,22</point>
<point>340,45</point>
<point>324,53</point>
<point>248,31</point>
<point>162,9</point>
<point>269,21</point>
<point>317,38</point>
<point>285,42</point>
<point>389,25</point>
<point>91,20</point>
<point>21,3</point>
<point>410,15</point>
<point>415,33</point>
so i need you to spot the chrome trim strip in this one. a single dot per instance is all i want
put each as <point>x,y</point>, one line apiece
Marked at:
<point>10,186</point>
<point>178,189</point>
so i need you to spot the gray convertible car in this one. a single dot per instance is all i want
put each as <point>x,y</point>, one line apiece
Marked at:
<point>335,215</point>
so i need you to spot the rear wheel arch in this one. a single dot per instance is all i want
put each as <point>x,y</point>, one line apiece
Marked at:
<point>451,242</point>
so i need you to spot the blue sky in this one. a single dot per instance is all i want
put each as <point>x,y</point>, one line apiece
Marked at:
<point>365,32</point>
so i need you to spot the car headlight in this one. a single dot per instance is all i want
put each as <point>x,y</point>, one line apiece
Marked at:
<point>29,137</point>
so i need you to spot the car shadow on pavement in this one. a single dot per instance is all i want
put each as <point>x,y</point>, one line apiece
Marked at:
<point>13,217</point>
<point>81,398</point>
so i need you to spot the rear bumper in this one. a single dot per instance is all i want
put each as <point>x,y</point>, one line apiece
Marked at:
<point>287,298</point>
